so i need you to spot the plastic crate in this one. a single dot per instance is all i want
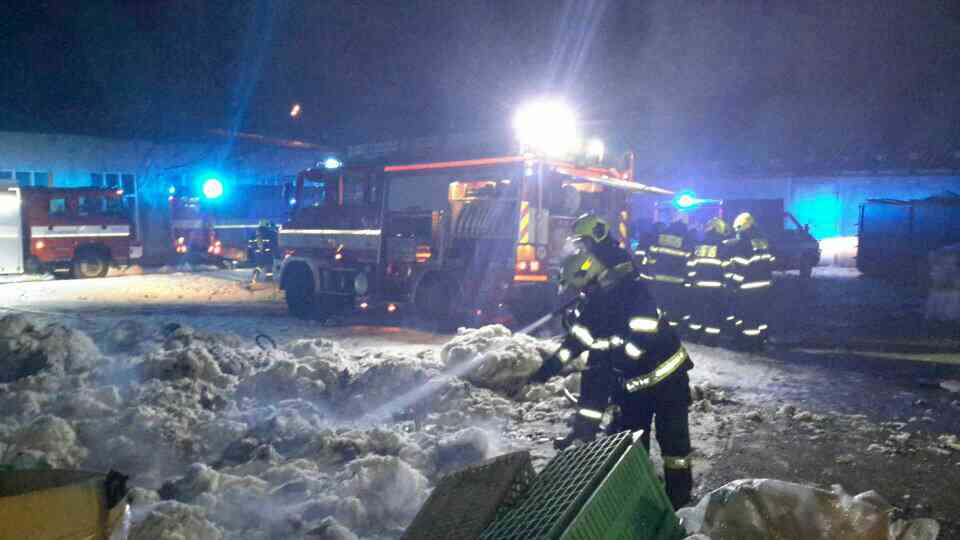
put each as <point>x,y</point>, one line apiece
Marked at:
<point>465,502</point>
<point>602,490</point>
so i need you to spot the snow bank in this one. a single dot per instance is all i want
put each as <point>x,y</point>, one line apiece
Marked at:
<point>26,350</point>
<point>225,440</point>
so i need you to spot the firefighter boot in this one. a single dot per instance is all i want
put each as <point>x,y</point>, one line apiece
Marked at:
<point>679,483</point>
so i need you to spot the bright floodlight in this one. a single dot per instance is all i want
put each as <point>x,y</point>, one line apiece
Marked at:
<point>595,149</point>
<point>332,163</point>
<point>295,110</point>
<point>546,127</point>
<point>212,188</point>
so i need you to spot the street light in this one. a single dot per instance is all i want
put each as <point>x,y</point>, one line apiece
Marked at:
<point>332,163</point>
<point>295,110</point>
<point>547,127</point>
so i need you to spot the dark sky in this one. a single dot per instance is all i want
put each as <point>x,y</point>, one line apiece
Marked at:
<point>670,76</point>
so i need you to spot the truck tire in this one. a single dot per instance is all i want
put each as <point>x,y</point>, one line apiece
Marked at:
<point>435,296</point>
<point>302,301</point>
<point>90,264</point>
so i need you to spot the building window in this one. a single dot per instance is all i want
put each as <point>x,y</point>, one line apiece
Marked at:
<point>113,180</point>
<point>58,207</point>
<point>6,175</point>
<point>96,179</point>
<point>128,184</point>
<point>41,179</point>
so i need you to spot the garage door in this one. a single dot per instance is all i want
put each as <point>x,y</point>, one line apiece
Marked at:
<point>11,247</point>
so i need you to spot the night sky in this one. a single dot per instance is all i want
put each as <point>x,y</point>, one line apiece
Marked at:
<point>712,78</point>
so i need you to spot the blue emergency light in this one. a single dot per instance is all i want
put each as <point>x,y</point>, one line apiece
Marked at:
<point>212,188</point>
<point>332,163</point>
<point>686,200</point>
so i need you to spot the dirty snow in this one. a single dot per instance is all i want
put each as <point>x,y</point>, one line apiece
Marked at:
<point>225,439</point>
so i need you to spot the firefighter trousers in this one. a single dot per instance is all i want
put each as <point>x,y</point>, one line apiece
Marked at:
<point>711,307</point>
<point>749,310</point>
<point>666,407</point>
<point>674,300</point>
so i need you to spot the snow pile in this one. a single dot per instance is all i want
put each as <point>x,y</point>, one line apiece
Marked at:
<point>494,358</point>
<point>26,350</point>
<point>223,439</point>
<point>171,520</point>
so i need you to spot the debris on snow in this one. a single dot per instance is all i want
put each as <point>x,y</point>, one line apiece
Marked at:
<point>950,385</point>
<point>757,508</point>
<point>494,357</point>
<point>949,441</point>
<point>787,411</point>
<point>57,350</point>
<point>754,416</point>
<point>803,416</point>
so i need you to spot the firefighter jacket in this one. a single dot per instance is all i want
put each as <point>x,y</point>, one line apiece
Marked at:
<point>666,260</point>
<point>705,268</point>
<point>618,322</point>
<point>750,264</point>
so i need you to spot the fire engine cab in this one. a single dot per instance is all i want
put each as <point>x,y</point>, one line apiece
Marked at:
<point>79,232</point>
<point>447,240</point>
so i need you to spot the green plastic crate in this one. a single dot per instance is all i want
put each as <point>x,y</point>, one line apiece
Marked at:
<point>466,501</point>
<point>602,490</point>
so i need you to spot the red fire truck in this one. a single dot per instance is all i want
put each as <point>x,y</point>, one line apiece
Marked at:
<point>79,232</point>
<point>447,240</point>
<point>217,229</point>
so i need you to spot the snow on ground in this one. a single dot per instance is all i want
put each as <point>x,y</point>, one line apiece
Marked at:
<point>342,430</point>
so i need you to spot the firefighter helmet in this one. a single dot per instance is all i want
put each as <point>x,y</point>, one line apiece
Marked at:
<point>744,222</point>
<point>579,270</point>
<point>717,225</point>
<point>590,226</point>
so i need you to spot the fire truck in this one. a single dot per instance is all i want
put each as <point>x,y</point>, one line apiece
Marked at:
<point>216,225</point>
<point>76,232</point>
<point>449,241</point>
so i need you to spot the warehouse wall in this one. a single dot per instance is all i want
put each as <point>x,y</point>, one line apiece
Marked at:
<point>829,204</point>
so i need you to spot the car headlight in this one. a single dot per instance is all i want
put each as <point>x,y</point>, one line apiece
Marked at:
<point>361,284</point>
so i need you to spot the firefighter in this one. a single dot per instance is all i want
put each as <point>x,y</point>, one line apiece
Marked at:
<point>636,366</point>
<point>706,278</point>
<point>749,277</point>
<point>666,267</point>
<point>262,248</point>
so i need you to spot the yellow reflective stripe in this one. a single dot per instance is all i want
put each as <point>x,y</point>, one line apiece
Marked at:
<point>756,284</point>
<point>590,414</point>
<point>667,279</point>
<point>677,462</point>
<point>582,334</point>
<point>670,251</point>
<point>633,351</point>
<point>564,355</point>
<point>600,344</point>
<point>711,330</point>
<point>763,327</point>
<point>695,326</point>
<point>645,276</point>
<point>753,332</point>
<point>661,372</point>
<point>644,325</point>
<point>736,277</point>
<point>616,341</point>
<point>706,260</point>
<point>709,284</point>
<point>741,261</point>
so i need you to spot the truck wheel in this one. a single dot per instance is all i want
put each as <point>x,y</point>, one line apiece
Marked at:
<point>435,297</point>
<point>301,298</point>
<point>90,265</point>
